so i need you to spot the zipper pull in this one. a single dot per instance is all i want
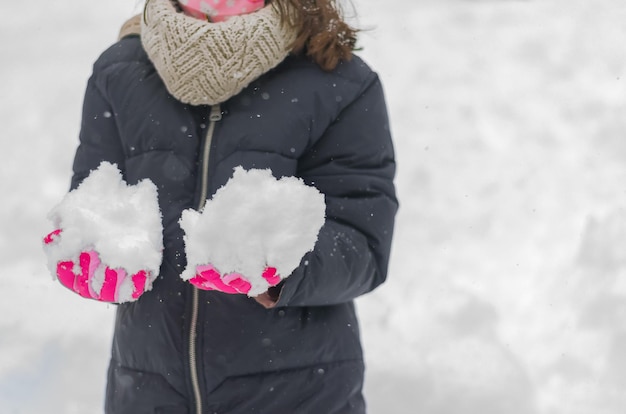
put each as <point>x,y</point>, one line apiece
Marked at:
<point>216,113</point>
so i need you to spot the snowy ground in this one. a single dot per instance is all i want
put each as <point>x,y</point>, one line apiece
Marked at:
<point>507,291</point>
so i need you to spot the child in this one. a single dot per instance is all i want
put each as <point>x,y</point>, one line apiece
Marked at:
<point>192,91</point>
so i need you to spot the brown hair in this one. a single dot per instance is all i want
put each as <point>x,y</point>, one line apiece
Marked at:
<point>322,32</point>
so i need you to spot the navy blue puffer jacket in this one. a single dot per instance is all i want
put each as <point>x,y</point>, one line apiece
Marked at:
<point>181,350</point>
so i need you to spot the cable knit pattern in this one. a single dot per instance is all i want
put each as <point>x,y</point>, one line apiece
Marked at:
<point>204,63</point>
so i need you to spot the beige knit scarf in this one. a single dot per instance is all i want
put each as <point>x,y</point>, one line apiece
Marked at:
<point>204,63</point>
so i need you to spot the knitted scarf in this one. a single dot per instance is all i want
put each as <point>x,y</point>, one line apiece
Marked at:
<point>203,63</point>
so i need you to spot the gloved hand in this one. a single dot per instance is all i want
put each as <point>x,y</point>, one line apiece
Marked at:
<point>108,243</point>
<point>252,234</point>
<point>209,278</point>
<point>89,273</point>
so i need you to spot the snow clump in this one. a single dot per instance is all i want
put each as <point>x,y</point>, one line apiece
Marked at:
<point>254,221</point>
<point>121,222</point>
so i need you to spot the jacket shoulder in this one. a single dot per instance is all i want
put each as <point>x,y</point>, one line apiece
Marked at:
<point>356,70</point>
<point>350,74</point>
<point>126,50</point>
<point>322,96</point>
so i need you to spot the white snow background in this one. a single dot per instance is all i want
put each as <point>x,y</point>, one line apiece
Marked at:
<point>507,287</point>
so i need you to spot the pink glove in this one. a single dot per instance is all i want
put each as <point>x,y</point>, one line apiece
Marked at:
<point>116,285</point>
<point>209,278</point>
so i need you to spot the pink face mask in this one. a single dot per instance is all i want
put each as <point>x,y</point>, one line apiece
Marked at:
<point>219,10</point>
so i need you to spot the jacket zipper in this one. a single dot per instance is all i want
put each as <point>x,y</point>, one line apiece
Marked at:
<point>216,115</point>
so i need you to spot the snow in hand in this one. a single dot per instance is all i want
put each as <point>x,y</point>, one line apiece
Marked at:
<point>254,222</point>
<point>107,230</point>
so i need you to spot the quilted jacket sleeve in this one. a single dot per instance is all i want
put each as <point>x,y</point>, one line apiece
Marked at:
<point>353,165</point>
<point>99,137</point>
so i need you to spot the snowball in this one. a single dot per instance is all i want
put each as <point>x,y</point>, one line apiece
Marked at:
<point>121,222</point>
<point>252,222</point>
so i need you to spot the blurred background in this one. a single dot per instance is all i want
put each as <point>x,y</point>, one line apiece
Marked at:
<point>507,287</point>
